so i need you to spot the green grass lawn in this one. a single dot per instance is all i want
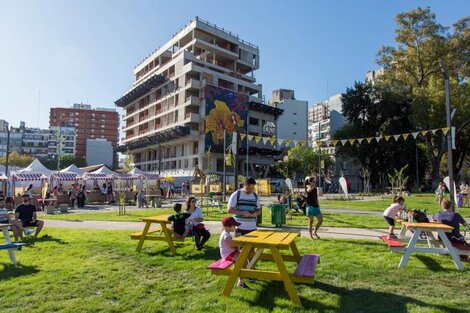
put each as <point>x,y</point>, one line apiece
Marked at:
<point>99,271</point>
<point>330,219</point>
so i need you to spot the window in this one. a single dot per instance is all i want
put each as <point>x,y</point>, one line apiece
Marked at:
<point>254,121</point>
<point>295,123</point>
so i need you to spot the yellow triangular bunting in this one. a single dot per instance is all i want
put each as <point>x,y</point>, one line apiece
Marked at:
<point>405,136</point>
<point>335,142</point>
<point>387,137</point>
<point>272,140</point>
<point>424,132</point>
<point>445,130</point>
<point>352,141</point>
<point>369,139</point>
<point>257,139</point>
<point>242,136</point>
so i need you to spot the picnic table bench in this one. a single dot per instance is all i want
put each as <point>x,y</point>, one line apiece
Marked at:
<point>423,233</point>
<point>252,247</point>
<point>8,245</point>
<point>162,233</point>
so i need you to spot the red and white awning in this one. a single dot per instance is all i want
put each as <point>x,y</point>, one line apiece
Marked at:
<point>28,177</point>
<point>101,176</point>
<point>151,176</point>
<point>127,176</point>
<point>65,176</point>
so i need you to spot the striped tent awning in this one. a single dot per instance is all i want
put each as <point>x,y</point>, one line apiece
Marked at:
<point>65,176</point>
<point>28,177</point>
<point>151,176</point>
<point>126,176</point>
<point>97,176</point>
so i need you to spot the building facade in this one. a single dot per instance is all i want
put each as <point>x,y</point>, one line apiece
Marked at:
<point>99,123</point>
<point>99,151</point>
<point>166,108</point>
<point>62,140</point>
<point>293,123</point>
<point>324,119</point>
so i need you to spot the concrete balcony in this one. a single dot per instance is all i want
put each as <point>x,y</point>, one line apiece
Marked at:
<point>192,118</point>
<point>192,101</point>
<point>193,83</point>
<point>212,47</point>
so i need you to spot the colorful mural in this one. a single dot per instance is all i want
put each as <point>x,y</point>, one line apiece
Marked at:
<point>225,109</point>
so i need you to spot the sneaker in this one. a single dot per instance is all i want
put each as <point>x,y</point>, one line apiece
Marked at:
<point>243,285</point>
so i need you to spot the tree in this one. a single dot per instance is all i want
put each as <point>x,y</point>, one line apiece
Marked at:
<point>16,159</point>
<point>65,161</point>
<point>372,111</point>
<point>128,161</point>
<point>414,64</point>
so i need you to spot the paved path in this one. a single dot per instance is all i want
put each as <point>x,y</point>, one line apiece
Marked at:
<point>215,228</point>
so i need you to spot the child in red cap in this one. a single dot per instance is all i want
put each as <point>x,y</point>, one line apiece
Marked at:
<point>227,250</point>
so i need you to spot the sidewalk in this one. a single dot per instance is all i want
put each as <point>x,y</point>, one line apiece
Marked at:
<point>215,228</point>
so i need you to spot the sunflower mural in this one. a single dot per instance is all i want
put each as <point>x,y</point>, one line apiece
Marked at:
<point>225,109</point>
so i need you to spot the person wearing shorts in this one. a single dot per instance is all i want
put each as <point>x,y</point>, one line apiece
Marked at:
<point>391,212</point>
<point>313,207</point>
<point>25,214</point>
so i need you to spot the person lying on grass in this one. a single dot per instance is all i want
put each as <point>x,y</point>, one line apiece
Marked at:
<point>391,212</point>
<point>180,229</point>
<point>227,250</point>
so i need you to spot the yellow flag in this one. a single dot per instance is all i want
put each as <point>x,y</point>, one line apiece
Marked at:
<point>302,142</point>
<point>228,159</point>
<point>369,139</point>
<point>445,130</point>
<point>335,142</point>
<point>242,136</point>
<point>288,141</point>
<point>352,141</point>
<point>387,138</point>
<point>424,132</point>
<point>257,139</point>
<point>405,136</point>
<point>272,140</point>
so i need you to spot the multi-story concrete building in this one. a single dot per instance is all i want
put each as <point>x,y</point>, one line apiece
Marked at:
<point>16,138</point>
<point>177,95</point>
<point>62,140</point>
<point>325,119</point>
<point>99,123</point>
<point>99,151</point>
<point>293,123</point>
<point>373,76</point>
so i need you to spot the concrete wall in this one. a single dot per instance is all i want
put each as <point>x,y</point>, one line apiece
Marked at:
<point>293,123</point>
<point>99,151</point>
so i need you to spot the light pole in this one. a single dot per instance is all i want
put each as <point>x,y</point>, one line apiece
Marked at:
<point>450,163</point>
<point>319,157</point>
<point>235,151</point>
<point>8,149</point>
<point>224,181</point>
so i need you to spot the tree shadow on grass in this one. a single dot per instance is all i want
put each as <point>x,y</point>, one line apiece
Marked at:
<point>11,271</point>
<point>366,300</point>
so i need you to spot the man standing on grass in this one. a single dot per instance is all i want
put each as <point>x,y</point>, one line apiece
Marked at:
<point>245,206</point>
<point>26,217</point>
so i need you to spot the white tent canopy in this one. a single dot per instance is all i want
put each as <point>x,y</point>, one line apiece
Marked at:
<point>3,177</point>
<point>105,170</point>
<point>73,169</point>
<point>36,167</point>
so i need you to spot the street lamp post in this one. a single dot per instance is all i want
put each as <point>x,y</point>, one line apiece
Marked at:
<point>319,157</point>
<point>7,159</point>
<point>450,163</point>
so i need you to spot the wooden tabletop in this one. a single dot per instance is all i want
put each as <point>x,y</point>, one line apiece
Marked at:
<point>157,218</point>
<point>2,225</point>
<point>429,226</point>
<point>266,238</point>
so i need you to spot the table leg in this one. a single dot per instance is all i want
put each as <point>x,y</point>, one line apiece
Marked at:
<point>295,252</point>
<point>255,258</point>
<point>450,249</point>
<point>409,249</point>
<point>11,252</point>
<point>288,284</point>
<point>402,233</point>
<point>142,238</point>
<point>168,237</point>
<point>236,270</point>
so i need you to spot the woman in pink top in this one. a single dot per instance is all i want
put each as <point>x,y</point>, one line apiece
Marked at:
<point>391,212</point>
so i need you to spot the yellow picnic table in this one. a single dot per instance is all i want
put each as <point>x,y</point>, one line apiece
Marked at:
<point>252,246</point>
<point>160,234</point>
<point>432,242</point>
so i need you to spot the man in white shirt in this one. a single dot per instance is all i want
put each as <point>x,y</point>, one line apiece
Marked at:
<point>245,206</point>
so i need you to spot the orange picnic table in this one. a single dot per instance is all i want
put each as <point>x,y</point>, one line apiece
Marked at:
<point>162,233</point>
<point>267,245</point>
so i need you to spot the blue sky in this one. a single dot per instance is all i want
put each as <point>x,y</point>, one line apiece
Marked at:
<point>56,53</point>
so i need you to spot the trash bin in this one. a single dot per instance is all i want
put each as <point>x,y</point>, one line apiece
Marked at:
<point>278,214</point>
<point>158,202</point>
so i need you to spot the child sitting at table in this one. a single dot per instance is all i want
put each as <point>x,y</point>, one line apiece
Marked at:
<point>392,211</point>
<point>180,228</point>
<point>227,250</point>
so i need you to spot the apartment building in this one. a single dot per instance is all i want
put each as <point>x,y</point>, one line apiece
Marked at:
<point>293,123</point>
<point>203,76</point>
<point>324,119</point>
<point>99,123</point>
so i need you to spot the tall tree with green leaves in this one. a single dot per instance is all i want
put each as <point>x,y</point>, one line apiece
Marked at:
<point>414,64</point>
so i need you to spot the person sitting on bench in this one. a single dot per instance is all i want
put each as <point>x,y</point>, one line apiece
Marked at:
<point>26,217</point>
<point>5,218</point>
<point>180,228</point>
<point>447,217</point>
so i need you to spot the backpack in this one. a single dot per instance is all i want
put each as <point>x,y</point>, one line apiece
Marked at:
<point>420,216</point>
